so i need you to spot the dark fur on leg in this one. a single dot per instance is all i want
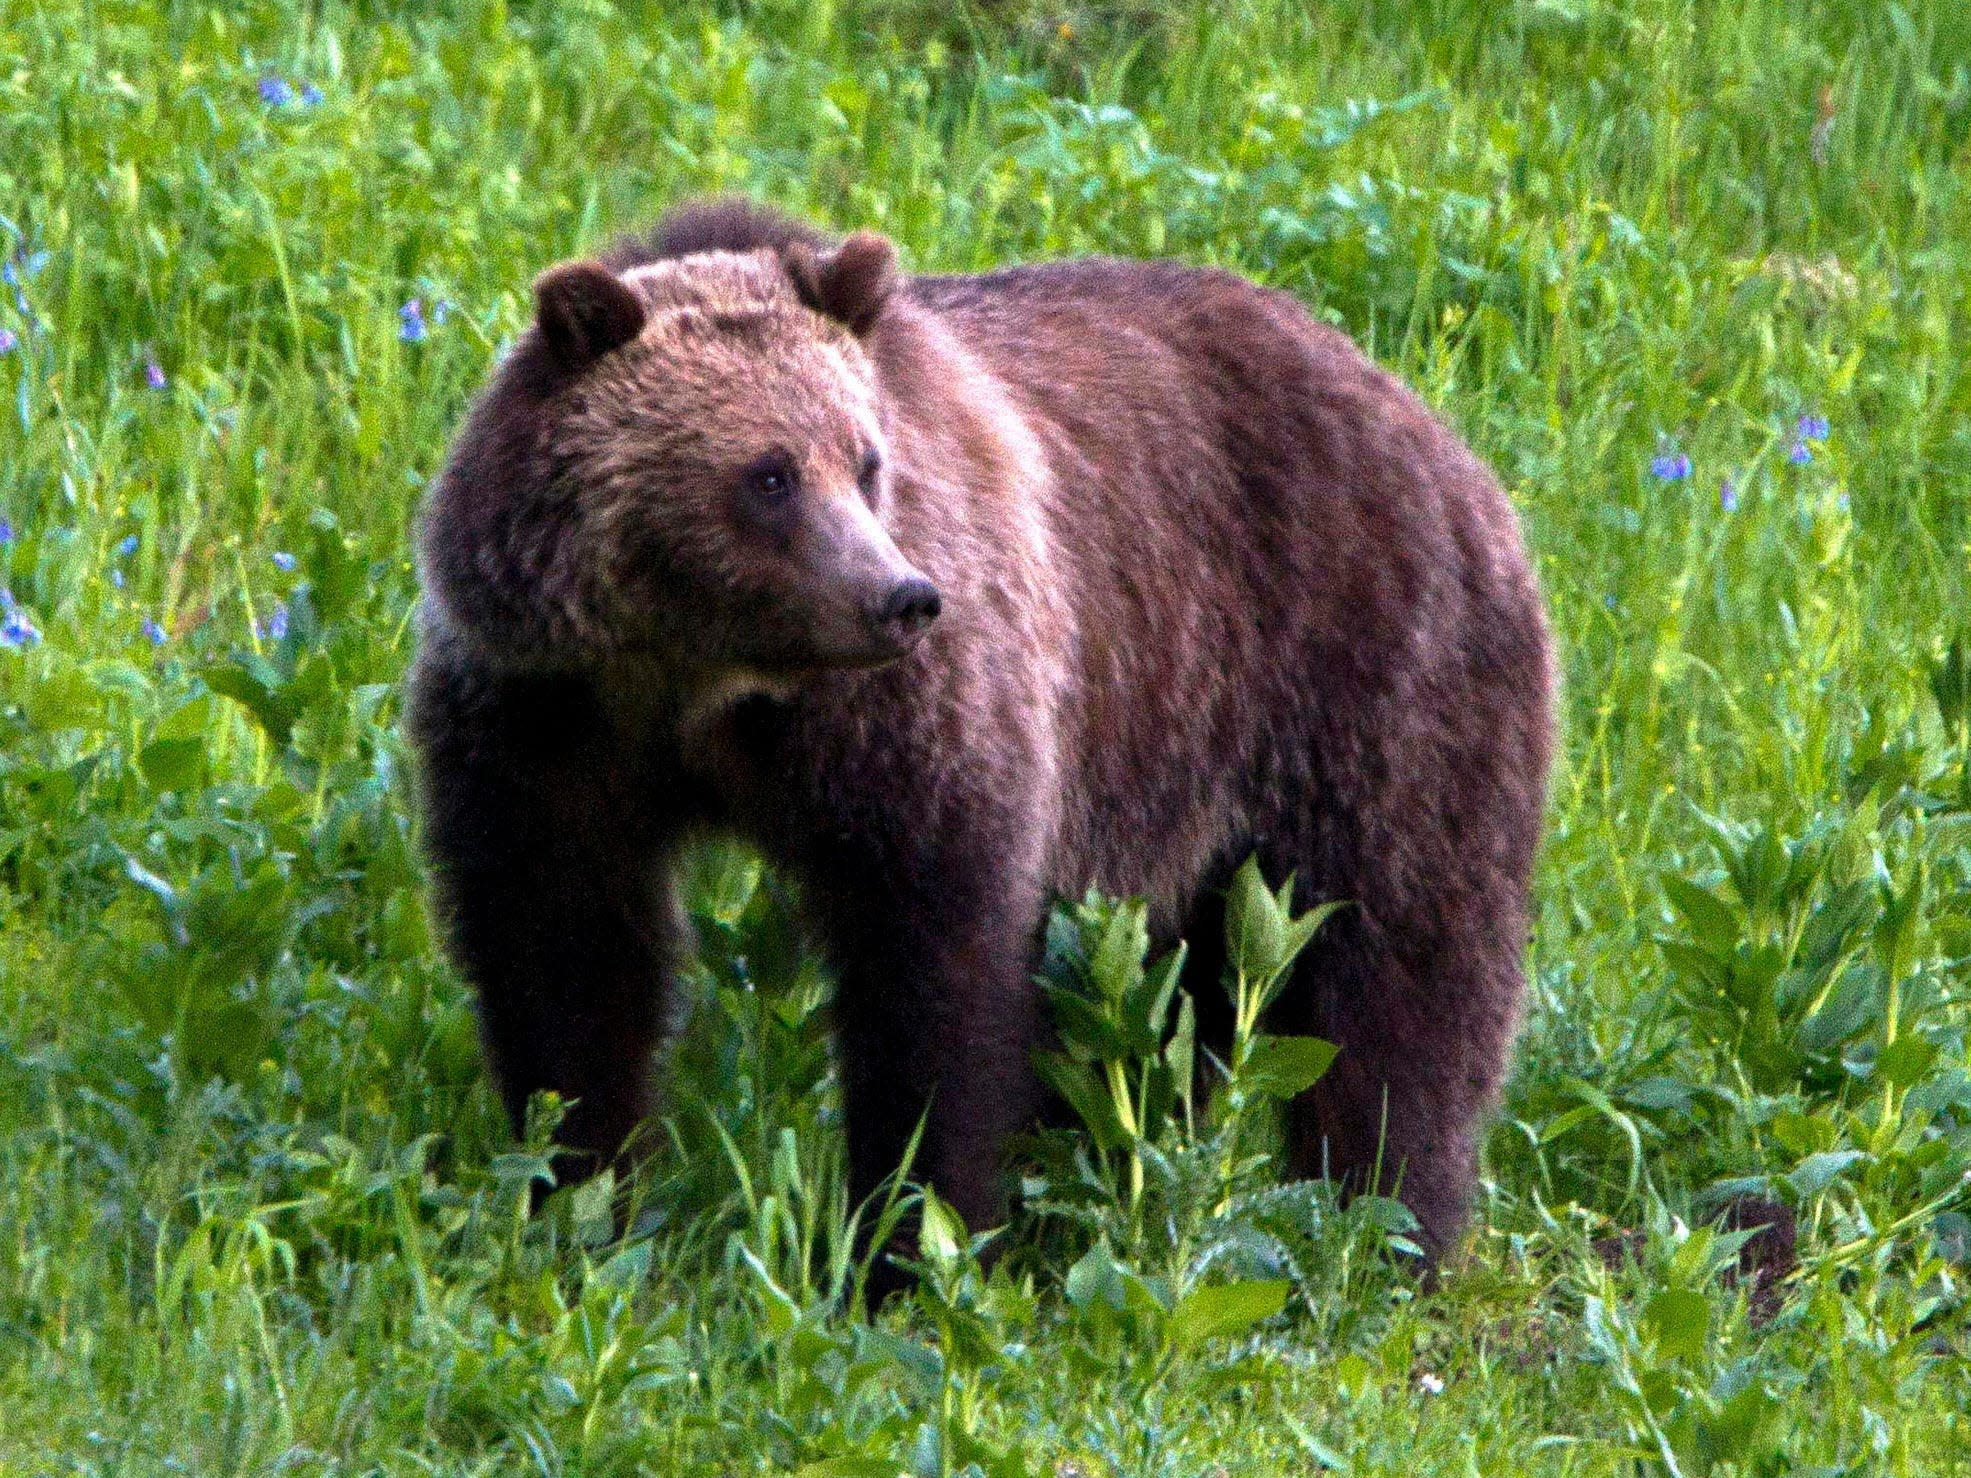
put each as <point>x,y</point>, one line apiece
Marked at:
<point>547,876</point>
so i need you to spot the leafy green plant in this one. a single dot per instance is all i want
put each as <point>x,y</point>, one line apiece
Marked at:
<point>1169,1152</point>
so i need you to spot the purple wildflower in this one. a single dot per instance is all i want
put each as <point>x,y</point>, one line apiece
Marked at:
<point>275,91</point>
<point>311,95</point>
<point>127,546</point>
<point>1728,496</point>
<point>9,341</point>
<point>154,375</point>
<point>153,633</point>
<point>1799,454</point>
<point>1670,466</point>
<point>410,321</point>
<point>283,560</point>
<point>1812,428</point>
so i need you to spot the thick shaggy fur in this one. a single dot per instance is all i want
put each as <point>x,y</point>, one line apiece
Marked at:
<point>1211,583</point>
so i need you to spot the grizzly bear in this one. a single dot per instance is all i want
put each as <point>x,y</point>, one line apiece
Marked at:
<point>952,595</point>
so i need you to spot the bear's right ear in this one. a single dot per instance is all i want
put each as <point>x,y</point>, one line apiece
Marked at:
<point>584,311</point>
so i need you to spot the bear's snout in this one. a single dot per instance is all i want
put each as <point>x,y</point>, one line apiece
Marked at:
<point>905,611</point>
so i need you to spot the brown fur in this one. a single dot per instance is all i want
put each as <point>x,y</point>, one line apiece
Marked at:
<point>1211,583</point>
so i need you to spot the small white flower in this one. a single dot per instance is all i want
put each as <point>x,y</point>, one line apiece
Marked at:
<point>1430,1384</point>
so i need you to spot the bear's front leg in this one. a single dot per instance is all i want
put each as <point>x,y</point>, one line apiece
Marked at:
<point>937,1018</point>
<point>545,866</point>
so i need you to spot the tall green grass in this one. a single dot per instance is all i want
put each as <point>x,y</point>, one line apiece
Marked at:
<point>257,1211</point>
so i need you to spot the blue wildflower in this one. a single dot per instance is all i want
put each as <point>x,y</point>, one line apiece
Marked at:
<point>9,341</point>
<point>1812,428</point>
<point>440,311</point>
<point>127,546</point>
<point>275,92</point>
<point>410,321</point>
<point>154,375</point>
<point>116,578</point>
<point>15,630</point>
<point>311,95</point>
<point>1799,454</point>
<point>18,267</point>
<point>1670,466</point>
<point>153,633</point>
<point>276,627</point>
<point>283,560</point>
<point>1728,496</point>
<point>6,532</point>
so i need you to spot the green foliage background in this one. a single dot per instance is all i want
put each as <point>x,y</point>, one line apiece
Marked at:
<point>257,1213</point>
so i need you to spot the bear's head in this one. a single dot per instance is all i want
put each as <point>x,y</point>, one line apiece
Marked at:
<point>684,461</point>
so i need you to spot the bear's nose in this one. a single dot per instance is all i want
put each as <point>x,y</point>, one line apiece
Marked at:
<point>908,608</point>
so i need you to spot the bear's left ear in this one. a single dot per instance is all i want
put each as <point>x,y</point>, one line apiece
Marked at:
<point>584,311</point>
<point>851,284</point>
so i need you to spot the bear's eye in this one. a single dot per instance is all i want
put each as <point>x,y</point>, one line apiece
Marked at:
<point>865,478</point>
<point>772,479</point>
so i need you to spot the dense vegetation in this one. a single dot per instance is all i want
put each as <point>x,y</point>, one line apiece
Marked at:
<point>1693,276</point>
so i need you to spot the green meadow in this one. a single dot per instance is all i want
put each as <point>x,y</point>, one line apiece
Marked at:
<point>1693,275</point>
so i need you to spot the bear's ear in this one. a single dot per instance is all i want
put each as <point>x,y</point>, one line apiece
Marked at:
<point>584,311</point>
<point>851,284</point>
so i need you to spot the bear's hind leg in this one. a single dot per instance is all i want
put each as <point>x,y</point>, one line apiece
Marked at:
<point>1424,1050</point>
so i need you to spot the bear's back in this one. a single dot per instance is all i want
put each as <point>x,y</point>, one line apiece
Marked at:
<point>1272,545</point>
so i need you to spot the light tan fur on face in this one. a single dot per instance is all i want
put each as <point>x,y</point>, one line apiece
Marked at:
<point>728,367</point>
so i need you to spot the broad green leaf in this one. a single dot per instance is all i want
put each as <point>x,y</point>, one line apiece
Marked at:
<point>625,1271</point>
<point>1180,1055</point>
<point>1086,1094</point>
<point>1904,1061</point>
<point>1117,966</point>
<point>1680,1318</point>
<point>1254,930</point>
<point>172,764</point>
<point>1223,1309</point>
<point>940,1233</point>
<point>64,698</point>
<point>923,1366</point>
<point>253,682</point>
<point>1285,1067</point>
<point>1146,1008</point>
<point>1817,1172</point>
<point>1301,931</point>
<point>1087,1027</point>
<point>1095,1281</point>
<point>1710,919</point>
